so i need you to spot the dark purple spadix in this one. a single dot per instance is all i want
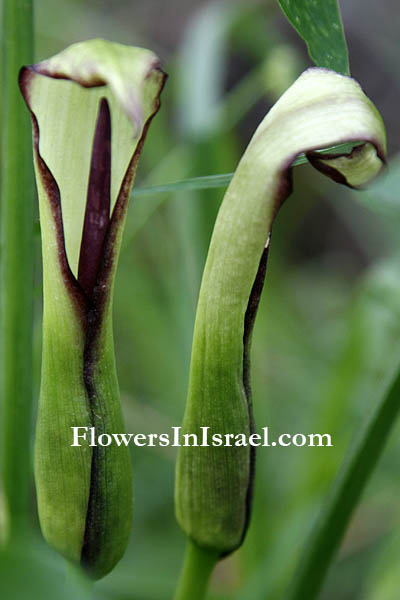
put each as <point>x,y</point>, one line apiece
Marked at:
<point>97,214</point>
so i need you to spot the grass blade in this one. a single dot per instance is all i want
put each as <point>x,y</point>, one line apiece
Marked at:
<point>217,181</point>
<point>352,479</point>
<point>320,26</point>
<point>16,269</point>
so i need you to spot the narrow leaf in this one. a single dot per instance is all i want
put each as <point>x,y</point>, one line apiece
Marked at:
<point>356,470</point>
<point>16,273</point>
<point>319,23</point>
<point>219,181</point>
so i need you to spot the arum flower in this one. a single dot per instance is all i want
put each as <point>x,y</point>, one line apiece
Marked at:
<point>321,109</point>
<point>91,106</point>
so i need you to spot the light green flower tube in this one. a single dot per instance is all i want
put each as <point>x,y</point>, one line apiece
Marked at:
<point>91,106</point>
<point>321,109</point>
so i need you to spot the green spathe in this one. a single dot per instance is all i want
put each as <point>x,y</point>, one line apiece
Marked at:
<point>91,106</point>
<point>321,109</point>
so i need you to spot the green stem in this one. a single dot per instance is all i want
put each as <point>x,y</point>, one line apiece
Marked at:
<point>353,477</point>
<point>16,269</point>
<point>196,571</point>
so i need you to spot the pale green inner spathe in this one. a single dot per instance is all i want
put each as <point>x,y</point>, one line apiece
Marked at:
<point>358,168</point>
<point>67,113</point>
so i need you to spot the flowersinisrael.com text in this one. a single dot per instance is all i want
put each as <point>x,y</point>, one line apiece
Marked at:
<point>88,436</point>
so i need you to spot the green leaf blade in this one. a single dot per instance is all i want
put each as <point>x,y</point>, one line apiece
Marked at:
<point>16,276</point>
<point>319,24</point>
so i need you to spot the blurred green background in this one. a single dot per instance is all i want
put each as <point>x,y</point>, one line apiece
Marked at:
<point>327,337</point>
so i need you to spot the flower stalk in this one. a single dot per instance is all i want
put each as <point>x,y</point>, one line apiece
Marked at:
<point>196,571</point>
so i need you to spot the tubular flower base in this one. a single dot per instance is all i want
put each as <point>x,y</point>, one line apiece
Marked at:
<point>91,106</point>
<point>321,109</point>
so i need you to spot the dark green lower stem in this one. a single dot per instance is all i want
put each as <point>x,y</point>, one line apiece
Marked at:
<point>16,285</point>
<point>352,479</point>
<point>196,571</point>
